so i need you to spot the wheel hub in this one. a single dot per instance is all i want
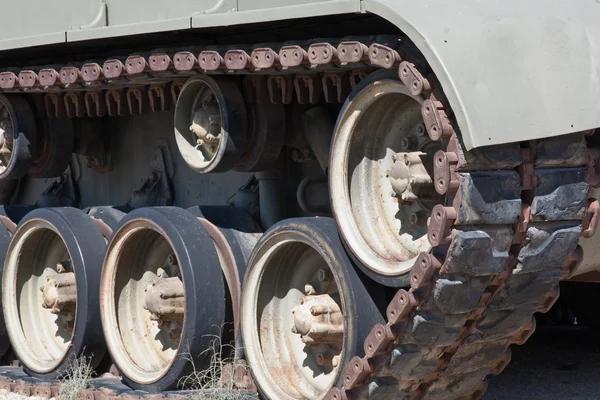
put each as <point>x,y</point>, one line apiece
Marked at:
<point>206,125</point>
<point>318,320</point>
<point>59,293</point>
<point>408,175</point>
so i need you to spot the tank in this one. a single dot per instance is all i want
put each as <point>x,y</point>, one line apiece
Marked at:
<point>302,199</point>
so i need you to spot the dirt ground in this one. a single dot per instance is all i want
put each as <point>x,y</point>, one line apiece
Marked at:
<point>556,363</point>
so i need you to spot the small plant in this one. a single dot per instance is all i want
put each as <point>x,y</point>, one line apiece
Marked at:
<point>217,382</point>
<point>77,378</point>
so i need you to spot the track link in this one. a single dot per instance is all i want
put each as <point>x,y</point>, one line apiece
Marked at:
<point>139,83</point>
<point>505,237</point>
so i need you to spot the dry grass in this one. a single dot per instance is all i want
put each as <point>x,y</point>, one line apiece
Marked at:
<point>77,378</point>
<point>211,383</point>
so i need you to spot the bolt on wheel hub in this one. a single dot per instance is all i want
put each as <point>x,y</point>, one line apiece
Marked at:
<point>318,318</point>
<point>59,293</point>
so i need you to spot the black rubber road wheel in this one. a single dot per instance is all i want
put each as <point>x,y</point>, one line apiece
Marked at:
<point>54,262</point>
<point>235,234</point>
<point>305,310</point>
<point>9,217</point>
<point>55,145</point>
<point>18,136</point>
<point>162,297</point>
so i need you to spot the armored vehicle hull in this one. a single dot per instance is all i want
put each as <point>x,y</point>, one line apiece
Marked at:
<point>334,199</point>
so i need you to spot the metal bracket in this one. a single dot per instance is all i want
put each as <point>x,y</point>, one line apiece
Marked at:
<point>156,189</point>
<point>61,193</point>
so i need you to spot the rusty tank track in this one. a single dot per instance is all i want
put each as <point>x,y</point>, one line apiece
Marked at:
<point>507,234</point>
<point>138,83</point>
<point>505,237</point>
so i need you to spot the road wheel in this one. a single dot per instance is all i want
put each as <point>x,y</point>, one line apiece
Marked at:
<point>162,297</point>
<point>305,311</point>
<point>50,291</point>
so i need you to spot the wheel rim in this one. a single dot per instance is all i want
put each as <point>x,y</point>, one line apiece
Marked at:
<point>6,137</point>
<point>210,123</point>
<point>140,256</point>
<point>199,125</point>
<point>384,228</point>
<point>279,279</point>
<point>40,336</point>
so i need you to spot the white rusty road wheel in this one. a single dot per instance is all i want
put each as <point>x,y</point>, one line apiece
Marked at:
<point>162,297</point>
<point>210,123</point>
<point>50,291</point>
<point>305,312</point>
<point>380,179</point>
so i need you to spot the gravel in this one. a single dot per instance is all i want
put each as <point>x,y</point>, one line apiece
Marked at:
<point>556,363</point>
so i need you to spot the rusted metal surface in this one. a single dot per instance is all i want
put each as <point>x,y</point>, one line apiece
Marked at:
<point>74,105</point>
<point>28,79</point>
<point>116,73</point>
<point>175,90</point>
<point>59,293</point>
<point>91,73</point>
<point>113,69</point>
<point>413,79</point>
<point>115,102</point>
<point>322,53</point>
<point>308,89</point>
<point>95,104</point>
<point>55,105</point>
<point>48,77</point>
<point>336,87</point>
<point>318,319</point>
<point>185,61</point>
<point>236,60</point>
<point>160,62</point>
<point>383,56</point>
<point>137,100</point>
<point>293,57</point>
<point>352,52</point>
<point>280,89</point>
<point>408,174</point>
<point>591,219</point>
<point>210,60</point>
<point>70,75</point>
<point>158,100</point>
<point>8,80</point>
<point>264,58</point>
<point>165,299</point>
<point>136,65</point>
<point>436,120</point>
